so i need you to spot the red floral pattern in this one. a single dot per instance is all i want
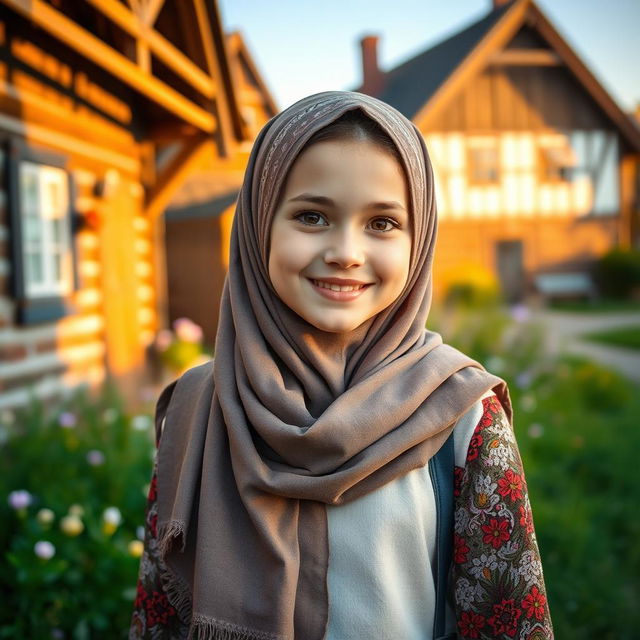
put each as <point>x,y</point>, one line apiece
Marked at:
<point>153,616</point>
<point>497,575</point>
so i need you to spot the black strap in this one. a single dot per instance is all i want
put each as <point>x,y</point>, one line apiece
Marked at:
<point>441,472</point>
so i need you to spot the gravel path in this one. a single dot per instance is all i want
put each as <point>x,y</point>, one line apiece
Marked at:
<point>564,331</point>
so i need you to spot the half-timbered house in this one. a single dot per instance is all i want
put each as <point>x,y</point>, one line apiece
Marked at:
<point>106,108</point>
<point>536,165</point>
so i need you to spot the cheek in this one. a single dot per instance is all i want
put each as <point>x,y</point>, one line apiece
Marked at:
<point>392,264</point>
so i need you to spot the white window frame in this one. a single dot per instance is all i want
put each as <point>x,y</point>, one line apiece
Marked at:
<point>46,234</point>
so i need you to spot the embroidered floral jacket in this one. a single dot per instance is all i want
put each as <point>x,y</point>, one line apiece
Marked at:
<point>497,582</point>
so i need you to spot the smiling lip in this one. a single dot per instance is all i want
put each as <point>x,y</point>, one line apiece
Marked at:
<point>339,289</point>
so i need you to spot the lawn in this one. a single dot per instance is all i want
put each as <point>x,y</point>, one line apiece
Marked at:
<point>627,337</point>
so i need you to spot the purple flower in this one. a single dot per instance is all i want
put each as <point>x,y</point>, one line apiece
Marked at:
<point>57,634</point>
<point>95,458</point>
<point>44,549</point>
<point>67,420</point>
<point>523,380</point>
<point>20,499</point>
<point>520,312</point>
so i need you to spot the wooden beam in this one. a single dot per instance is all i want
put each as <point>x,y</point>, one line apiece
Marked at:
<point>152,10</point>
<point>629,130</point>
<point>204,27</point>
<point>478,58</point>
<point>85,43</point>
<point>628,184</point>
<point>525,57</point>
<point>173,176</point>
<point>70,144</point>
<point>170,55</point>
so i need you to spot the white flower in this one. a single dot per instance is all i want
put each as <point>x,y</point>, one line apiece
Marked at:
<point>483,484</point>
<point>20,499</point>
<point>530,568</point>
<point>112,515</point>
<point>466,593</point>
<point>484,565</point>
<point>141,422</point>
<point>140,533</point>
<point>499,457</point>
<point>44,549</point>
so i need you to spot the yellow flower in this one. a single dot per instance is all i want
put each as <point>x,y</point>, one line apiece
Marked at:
<point>76,510</point>
<point>71,525</point>
<point>45,517</point>
<point>135,548</point>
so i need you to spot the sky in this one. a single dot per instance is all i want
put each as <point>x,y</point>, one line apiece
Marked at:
<point>305,46</point>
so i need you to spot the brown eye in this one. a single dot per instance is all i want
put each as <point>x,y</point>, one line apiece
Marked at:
<point>312,218</point>
<point>383,224</point>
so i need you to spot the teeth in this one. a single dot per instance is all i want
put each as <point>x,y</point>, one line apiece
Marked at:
<point>337,287</point>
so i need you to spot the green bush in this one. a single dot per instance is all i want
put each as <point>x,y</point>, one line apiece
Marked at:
<point>617,273</point>
<point>73,500</point>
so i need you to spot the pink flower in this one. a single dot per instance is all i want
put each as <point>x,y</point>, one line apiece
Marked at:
<point>187,330</point>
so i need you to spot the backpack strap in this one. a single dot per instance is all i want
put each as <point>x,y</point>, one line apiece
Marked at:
<point>441,470</point>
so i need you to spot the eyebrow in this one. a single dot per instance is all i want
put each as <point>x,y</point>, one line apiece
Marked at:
<point>323,200</point>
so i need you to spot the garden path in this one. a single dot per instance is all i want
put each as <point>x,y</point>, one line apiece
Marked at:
<point>564,331</point>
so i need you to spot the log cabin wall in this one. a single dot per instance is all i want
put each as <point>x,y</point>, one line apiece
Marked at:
<point>53,104</point>
<point>523,154</point>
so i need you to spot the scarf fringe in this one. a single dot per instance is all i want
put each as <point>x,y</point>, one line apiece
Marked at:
<point>177,590</point>
<point>204,628</point>
<point>170,533</point>
<point>171,536</point>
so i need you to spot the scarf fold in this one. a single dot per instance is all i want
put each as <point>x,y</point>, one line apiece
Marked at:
<point>289,419</point>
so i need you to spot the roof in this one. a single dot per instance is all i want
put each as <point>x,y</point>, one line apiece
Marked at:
<point>409,86</point>
<point>424,84</point>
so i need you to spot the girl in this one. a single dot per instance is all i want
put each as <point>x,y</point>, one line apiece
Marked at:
<point>304,480</point>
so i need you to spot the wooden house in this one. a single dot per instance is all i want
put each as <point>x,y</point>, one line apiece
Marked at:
<point>199,216</point>
<point>536,165</point>
<point>106,108</point>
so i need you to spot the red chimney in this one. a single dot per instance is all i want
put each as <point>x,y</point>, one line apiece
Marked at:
<point>499,3</point>
<point>372,77</point>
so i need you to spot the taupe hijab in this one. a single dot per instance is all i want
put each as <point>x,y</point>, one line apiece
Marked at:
<point>289,419</point>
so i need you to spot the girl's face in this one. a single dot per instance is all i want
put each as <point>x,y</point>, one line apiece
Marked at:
<point>341,235</point>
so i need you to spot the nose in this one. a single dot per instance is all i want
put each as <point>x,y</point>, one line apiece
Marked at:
<point>345,249</point>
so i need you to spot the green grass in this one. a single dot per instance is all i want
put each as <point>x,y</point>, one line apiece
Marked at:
<point>627,337</point>
<point>595,306</point>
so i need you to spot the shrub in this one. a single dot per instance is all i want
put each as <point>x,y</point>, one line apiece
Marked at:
<point>617,273</point>
<point>73,500</point>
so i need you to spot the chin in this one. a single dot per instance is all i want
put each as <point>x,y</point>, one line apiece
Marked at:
<point>335,326</point>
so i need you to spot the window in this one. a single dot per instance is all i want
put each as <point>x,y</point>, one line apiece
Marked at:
<point>556,163</point>
<point>46,237</point>
<point>484,161</point>
<point>42,251</point>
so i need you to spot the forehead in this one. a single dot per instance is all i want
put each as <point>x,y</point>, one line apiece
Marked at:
<point>346,164</point>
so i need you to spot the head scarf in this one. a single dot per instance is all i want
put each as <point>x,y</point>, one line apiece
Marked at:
<point>289,418</point>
